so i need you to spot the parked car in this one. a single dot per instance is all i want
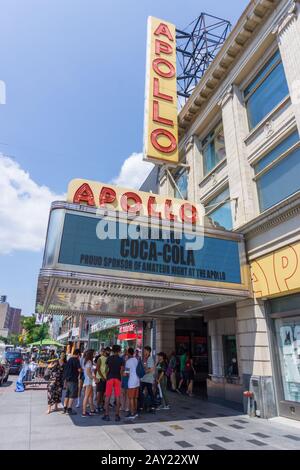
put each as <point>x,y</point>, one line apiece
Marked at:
<point>4,367</point>
<point>15,361</point>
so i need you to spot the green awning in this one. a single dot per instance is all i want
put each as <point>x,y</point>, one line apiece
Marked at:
<point>47,342</point>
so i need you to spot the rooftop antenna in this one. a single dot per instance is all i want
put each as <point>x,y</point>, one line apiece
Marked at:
<point>197,46</point>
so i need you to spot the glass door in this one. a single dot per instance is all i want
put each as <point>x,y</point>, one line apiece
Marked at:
<point>288,349</point>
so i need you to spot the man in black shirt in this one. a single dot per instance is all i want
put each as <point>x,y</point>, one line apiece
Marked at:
<point>71,376</point>
<point>115,368</point>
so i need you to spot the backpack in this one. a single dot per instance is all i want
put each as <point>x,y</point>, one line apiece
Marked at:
<point>140,371</point>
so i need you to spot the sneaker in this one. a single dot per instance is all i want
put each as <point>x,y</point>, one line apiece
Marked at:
<point>86,415</point>
<point>106,418</point>
<point>93,413</point>
<point>71,412</point>
<point>100,409</point>
<point>77,404</point>
<point>117,418</point>
<point>64,411</point>
<point>128,415</point>
<point>167,407</point>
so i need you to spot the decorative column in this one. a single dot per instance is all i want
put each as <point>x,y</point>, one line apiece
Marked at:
<point>239,171</point>
<point>288,37</point>
<point>193,160</point>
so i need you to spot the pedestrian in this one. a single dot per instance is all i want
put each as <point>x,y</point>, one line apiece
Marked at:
<point>147,380</point>
<point>88,384</point>
<point>161,369</point>
<point>80,378</point>
<point>133,383</point>
<point>182,361</point>
<point>189,374</point>
<point>172,371</point>
<point>72,371</point>
<point>115,368</point>
<point>124,386</point>
<point>55,384</point>
<point>101,378</point>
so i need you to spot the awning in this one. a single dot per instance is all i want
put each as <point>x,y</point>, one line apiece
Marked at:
<point>83,275</point>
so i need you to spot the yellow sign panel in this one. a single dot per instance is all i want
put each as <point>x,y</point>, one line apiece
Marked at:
<point>110,197</point>
<point>161,122</point>
<point>277,273</point>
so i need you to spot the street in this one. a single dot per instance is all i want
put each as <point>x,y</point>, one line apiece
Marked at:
<point>190,424</point>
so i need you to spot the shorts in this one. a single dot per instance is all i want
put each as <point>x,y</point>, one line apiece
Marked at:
<point>133,392</point>
<point>113,385</point>
<point>71,390</point>
<point>100,386</point>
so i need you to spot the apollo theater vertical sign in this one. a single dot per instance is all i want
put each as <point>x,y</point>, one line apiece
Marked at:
<point>161,126</point>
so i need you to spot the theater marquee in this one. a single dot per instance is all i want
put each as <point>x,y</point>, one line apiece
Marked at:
<point>161,126</point>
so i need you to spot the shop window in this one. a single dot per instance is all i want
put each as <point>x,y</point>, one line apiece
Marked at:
<point>230,356</point>
<point>288,344</point>
<point>277,172</point>
<point>181,188</point>
<point>219,210</point>
<point>213,149</point>
<point>268,88</point>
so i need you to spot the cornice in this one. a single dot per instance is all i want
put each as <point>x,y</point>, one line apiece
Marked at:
<point>287,18</point>
<point>277,215</point>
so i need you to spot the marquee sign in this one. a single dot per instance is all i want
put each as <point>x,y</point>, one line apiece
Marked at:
<point>161,126</point>
<point>106,196</point>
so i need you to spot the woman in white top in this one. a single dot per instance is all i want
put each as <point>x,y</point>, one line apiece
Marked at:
<point>133,383</point>
<point>88,384</point>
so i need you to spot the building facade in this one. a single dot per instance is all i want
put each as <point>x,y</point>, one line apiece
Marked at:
<point>240,157</point>
<point>10,319</point>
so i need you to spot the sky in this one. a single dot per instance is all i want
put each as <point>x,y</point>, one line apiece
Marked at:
<point>73,72</point>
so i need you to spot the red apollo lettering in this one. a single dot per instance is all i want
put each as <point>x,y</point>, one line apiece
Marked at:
<point>158,118</point>
<point>168,211</point>
<point>157,63</point>
<point>163,133</point>
<point>84,194</point>
<point>158,94</point>
<point>132,208</point>
<point>151,208</point>
<point>107,196</point>
<point>162,47</point>
<point>163,30</point>
<point>189,219</point>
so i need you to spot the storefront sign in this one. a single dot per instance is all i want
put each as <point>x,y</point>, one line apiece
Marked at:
<point>134,203</point>
<point>216,263</point>
<point>104,324</point>
<point>277,273</point>
<point>161,126</point>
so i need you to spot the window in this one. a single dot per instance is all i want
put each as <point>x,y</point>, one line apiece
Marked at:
<point>213,149</point>
<point>219,210</point>
<point>277,173</point>
<point>230,356</point>
<point>288,341</point>
<point>181,180</point>
<point>268,88</point>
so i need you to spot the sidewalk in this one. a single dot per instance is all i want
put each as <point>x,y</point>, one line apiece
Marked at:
<point>190,424</point>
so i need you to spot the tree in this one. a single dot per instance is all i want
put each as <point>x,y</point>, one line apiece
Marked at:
<point>34,332</point>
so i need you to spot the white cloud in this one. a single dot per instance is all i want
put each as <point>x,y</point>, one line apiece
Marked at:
<point>24,209</point>
<point>134,171</point>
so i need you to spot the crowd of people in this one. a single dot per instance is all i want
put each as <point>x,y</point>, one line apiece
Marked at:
<point>109,380</point>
